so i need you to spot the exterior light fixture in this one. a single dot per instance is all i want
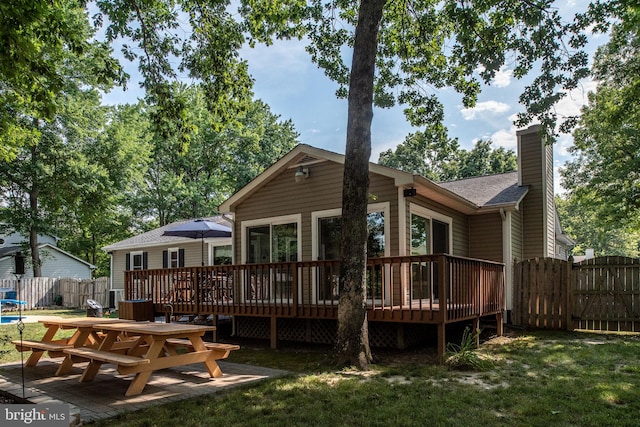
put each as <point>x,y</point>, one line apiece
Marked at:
<point>409,192</point>
<point>301,174</point>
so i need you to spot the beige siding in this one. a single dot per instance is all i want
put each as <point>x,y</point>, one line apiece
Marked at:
<point>533,206</point>
<point>460,222</point>
<point>321,191</point>
<point>550,205</point>
<point>516,235</point>
<point>486,237</point>
<point>118,265</point>
<point>192,258</point>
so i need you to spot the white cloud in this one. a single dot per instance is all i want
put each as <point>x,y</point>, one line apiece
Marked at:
<point>484,109</point>
<point>502,77</point>
<point>562,146</point>
<point>376,149</point>
<point>571,104</point>
<point>505,138</point>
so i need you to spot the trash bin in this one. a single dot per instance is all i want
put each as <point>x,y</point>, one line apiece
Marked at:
<point>94,309</point>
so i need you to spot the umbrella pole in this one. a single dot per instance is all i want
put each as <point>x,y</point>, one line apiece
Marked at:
<point>202,250</point>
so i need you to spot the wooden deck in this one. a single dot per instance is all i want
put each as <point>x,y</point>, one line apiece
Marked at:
<point>431,289</point>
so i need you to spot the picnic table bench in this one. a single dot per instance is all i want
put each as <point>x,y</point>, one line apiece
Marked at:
<point>221,347</point>
<point>83,335</point>
<point>53,347</point>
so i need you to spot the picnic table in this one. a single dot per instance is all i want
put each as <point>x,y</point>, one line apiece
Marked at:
<point>84,335</point>
<point>137,348</point>
<point>156,346</point>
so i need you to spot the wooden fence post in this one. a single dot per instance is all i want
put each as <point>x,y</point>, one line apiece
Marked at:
<point>568,285</point>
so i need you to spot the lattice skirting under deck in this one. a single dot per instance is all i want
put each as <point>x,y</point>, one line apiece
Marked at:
<point>381,334</point>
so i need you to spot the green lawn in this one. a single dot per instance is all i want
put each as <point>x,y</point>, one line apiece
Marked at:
<point>535,379</point>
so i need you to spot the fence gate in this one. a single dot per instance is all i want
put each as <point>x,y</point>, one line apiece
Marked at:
<point>605,294</point>
<point>600,294</point>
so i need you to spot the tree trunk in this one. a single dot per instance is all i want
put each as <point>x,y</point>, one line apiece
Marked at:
<point>352,343</point>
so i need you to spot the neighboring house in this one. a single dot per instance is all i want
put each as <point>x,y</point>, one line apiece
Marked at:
<point>286,231</point>
<point>55,261</point>
<point>153,250</point>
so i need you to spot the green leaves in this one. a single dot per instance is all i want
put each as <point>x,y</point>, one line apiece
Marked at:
<point>433,155</point>
<point>427,45</point>
<point>46,46</point>
<point>605,173</point>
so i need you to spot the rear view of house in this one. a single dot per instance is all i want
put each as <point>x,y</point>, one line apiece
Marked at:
<point>438,253</point>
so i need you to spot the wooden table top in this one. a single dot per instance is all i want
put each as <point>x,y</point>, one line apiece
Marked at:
<point>82,321</point>
<point>155,328</point>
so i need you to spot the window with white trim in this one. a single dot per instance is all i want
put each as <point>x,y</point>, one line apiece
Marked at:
<point>327,228</point>
<point>271,240</point>
<point>430,234</point>
<point>173,257</point>
<point>137,259</point>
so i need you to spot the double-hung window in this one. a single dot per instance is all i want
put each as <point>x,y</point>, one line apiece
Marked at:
<point>137,260</point>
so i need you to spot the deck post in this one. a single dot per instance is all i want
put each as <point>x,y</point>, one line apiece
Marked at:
<point>308,330</point>
<point>500,323</point>
<point>274,332</point>
<point>401,342</point>
<point>442,339</point>
<point>476,331</point>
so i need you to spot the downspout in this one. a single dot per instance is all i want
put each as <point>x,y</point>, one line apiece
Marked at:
<point>402,238</point>
<point>110,270</point>
<point>507,259</point>
<point>229,216</point>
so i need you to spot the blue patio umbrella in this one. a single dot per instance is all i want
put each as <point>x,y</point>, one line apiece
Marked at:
<point>199,228</point>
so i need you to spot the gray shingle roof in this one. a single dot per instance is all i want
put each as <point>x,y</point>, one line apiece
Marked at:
<point>155,237</point>
<point>490,190</point>
<point>9,251</point>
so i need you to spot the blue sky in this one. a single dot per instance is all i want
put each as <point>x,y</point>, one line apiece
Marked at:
<point>294,88</point>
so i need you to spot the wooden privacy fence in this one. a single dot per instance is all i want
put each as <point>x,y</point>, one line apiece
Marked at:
<point>40,292</point>
<point>541,293</point>
<point>597,294</point>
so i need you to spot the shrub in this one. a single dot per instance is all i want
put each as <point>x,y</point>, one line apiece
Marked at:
<point>464,356</point>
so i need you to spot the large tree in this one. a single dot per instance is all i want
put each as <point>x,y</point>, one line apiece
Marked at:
<point>36,39</point>
<point>402,50</point>
<point>45,169</point>
<point>434,155</point>
<point>114,162</point>
<point>174,39</point>
<point>191,181</point>
<point>605,172</point>
<point>580,221</point>
<point>430,153</point>
<point>51,173</point>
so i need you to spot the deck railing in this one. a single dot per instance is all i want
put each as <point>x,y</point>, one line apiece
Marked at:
<point>426,288</point>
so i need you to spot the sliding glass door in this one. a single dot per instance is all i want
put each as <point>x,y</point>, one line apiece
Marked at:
<point>428,236</point>
<point>272,241</point>
<point>328,232</point>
